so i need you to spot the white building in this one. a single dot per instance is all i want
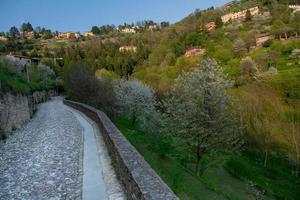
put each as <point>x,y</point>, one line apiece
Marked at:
<point>128,30</point>
<point>128,49</point>
<point>68,35</point>
<point>238,15</point>
<point>296,8</point>
<point>2,38</point>
<point>89,34</point>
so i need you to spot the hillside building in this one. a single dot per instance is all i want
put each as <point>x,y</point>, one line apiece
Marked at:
<point>210,26</point>
<point>89,34</point>
<point>239,15</point>
<point>128,30</point>
<point>296,8</point>
<point>153,27</point>
<point>3,38</point>
<point>194,52</point>
<point>68,35</point>
<point>128,49</point>
<point>262,38</point>
<point>26,34</point>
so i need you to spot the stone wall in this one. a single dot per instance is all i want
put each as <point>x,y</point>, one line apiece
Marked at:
<point>16,109</point>
<point>139,180</point>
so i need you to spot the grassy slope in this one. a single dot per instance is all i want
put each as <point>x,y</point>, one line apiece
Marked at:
<point>17,84</point>
<point>224,175</point>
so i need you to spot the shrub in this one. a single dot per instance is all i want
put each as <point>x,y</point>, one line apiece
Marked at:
<point>248,67</point>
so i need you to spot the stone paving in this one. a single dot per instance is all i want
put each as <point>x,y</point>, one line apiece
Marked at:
<point>43,159</point>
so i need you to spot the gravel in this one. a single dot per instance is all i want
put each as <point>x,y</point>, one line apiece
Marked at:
<point>43,159</point>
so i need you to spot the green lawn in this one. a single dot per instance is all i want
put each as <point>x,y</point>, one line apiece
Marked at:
<point>224,175</point>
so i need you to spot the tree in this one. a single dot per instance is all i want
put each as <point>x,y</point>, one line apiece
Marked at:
<point>294,136</point>
<point>136,99</point>
<point>279,28</point>
<point>26,27</point>
<point>195,39</point>
<point>239,47</point>
<point>46,74</point>
<point>82,86</point>
<point>219,23</point>
<point>248,16</point>
<point>249,39</point>
<point>14,32</point>
<point>248,67</point>
<point>38,29</point>
<point>198,111</point>
<point>164,24</point>
<point>295,25</point>
<point>95,30</point>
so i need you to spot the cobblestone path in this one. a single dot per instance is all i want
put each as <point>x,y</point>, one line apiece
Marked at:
<point>43,159</point>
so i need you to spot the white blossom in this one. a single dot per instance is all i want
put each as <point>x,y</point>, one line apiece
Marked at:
<point>137,100</point>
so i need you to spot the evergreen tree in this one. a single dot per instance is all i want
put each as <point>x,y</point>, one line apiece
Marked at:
<point>95,30</point>
<point>248,16</point>
<point>14,32</point>
<point>219,23</point>
<point>26,27</point>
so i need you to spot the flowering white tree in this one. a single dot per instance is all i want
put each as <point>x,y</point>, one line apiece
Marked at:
<point>137,100</point>
<point>198,111</point>
<point>46,74</point>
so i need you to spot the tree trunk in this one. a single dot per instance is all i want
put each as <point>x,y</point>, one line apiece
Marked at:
<point>286,37</point>
<point>197,168</point>
<point>133,120</point>
<point>266,158</point>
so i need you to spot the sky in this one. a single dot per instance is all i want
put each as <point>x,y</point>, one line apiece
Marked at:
<point>75,15</point>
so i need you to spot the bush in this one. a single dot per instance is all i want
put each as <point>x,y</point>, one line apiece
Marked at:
<point>267,43</point>
<point>248,67</point>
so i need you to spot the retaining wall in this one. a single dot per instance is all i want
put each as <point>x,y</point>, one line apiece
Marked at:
<point>139,180</point>
<point>16,109</point>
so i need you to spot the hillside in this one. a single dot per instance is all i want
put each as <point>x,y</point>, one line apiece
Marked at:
<point>256,44</point>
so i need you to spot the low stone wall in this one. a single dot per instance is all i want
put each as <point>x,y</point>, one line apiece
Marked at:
<point>139,180</point>
<point>16,109</point>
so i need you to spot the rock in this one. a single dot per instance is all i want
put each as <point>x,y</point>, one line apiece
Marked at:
<point>295,53</point>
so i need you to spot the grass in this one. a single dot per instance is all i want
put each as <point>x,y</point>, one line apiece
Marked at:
<point>224,175</point>
<point>287,82</point>
<point>276,180</point>
<point>17,84</point>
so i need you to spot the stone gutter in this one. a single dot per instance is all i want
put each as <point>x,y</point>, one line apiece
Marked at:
<point>139,180</point>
